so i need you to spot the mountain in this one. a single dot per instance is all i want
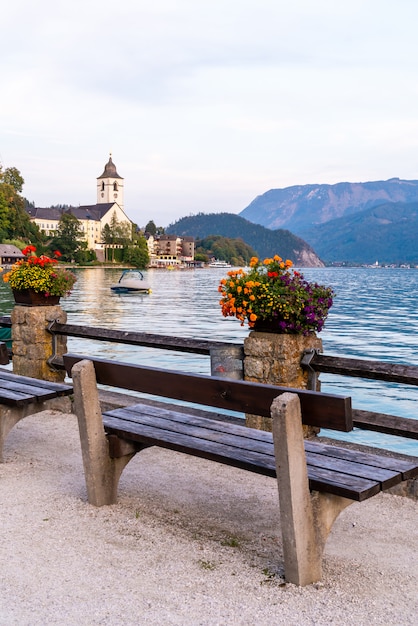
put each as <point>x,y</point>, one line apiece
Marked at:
<point>387,233</point>
<point>303,207</point>
<point>265,241</point>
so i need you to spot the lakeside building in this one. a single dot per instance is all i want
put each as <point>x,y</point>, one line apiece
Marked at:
<point>9,254</point>
<point>164,250</point>
<point>170,251</point>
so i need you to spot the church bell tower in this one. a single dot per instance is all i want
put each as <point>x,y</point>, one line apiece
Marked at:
<point>110,185</point>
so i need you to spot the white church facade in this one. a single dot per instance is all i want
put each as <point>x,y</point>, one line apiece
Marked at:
<point>93,218</point>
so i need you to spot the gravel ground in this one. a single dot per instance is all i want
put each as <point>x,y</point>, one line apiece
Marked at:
<point>190,542</point>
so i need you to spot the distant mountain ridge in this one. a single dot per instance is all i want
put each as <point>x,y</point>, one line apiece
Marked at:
<point>387,233</point>
<point>303,207</point>
<point>265,241</point>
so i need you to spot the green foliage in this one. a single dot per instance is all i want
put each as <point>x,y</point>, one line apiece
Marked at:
<point>151,228</point>
<point>14,221</point>
<point>137,254</point>
<point>69,237</point>
<point>235,251</point>
<point>264,241</point>
<point>11,176</point>
<point>116,234</point>
<point>84,256</point>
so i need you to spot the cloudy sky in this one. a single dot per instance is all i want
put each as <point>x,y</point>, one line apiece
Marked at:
<point>205,105</point>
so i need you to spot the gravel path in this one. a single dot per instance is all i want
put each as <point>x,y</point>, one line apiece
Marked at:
<point>190,542</point>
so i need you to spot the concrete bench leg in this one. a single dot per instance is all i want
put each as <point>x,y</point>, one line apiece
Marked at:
<point>305,520</point>
<point>102,473</point>
<point>11,415</point>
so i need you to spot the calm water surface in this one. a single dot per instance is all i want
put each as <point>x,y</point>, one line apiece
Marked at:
<point>375,316</point>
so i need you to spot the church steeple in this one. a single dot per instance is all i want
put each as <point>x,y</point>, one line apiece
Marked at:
<point>110,185</point>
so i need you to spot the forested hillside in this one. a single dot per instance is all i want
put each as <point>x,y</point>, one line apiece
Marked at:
<point>264,241</point>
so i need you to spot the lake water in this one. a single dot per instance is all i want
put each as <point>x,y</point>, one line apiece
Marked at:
<point>375,316</point>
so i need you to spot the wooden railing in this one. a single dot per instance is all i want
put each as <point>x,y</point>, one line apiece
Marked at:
<point>225,357</point>
<point>315,363</point>
<point>312,361</point>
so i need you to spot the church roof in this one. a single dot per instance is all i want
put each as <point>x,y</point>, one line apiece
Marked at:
<point>110,170</point>
<point>46,213</point>
<point>92,211</point>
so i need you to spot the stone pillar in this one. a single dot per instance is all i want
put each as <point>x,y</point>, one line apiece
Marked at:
<point>32,343</point>
<point>227,362</point>
<point>275,359</point>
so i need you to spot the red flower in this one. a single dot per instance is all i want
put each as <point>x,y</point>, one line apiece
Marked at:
<point>28,250</point>
<point>57,253</point>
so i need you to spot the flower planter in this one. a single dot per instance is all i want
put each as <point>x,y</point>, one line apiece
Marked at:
<point>268,326</point>
<point>33,277</point>
<point>29,297</point>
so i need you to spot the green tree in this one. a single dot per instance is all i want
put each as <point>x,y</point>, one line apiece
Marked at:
<point>137,254</point>
<point>116,233</point>
<point>13,177</point>
<point>14,220</point>
<point>151,228</point>
<point>69,237</point>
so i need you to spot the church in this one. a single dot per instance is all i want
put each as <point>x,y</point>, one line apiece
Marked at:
<point>94,217</point>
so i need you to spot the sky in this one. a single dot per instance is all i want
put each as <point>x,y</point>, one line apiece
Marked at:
<point>206,105</point>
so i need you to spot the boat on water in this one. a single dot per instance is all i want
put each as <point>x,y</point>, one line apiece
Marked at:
<point>217,263</point>
<point>131,280</point>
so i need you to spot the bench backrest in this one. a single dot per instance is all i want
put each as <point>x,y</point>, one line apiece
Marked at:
<point>318,409</point>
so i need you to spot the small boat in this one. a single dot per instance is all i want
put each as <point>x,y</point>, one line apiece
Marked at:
<point>131,280</point>
<point>218,263</point>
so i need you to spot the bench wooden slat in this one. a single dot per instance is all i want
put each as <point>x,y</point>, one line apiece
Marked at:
<point>248,449</point>
<point>18,390</point>
<point>35,382</point>
<point>408,469</point>
<point>320,478</point>
<point>352,487</point>
<point>318,409</point>
<point>26,393</point>
<point>177,420</point>
<point>11,397</point>
<point>247,438</point>
<point>386,477</point>
<point>184,442</point>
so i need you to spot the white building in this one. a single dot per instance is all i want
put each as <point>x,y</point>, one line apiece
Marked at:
<point>94,217</point>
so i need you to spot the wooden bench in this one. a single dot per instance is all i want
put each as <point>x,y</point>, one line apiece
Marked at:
<point>21,396</point>
<point>316,481</point>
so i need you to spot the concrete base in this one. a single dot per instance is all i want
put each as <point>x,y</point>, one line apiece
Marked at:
<point>10,416</point>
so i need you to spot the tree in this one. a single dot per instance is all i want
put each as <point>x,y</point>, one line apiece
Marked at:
<point>13,177</point>
<point>116,233</point>
<point>137,254</point>
<point>151,228</point>
<point>14,220</point>
<point>69,237</point>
